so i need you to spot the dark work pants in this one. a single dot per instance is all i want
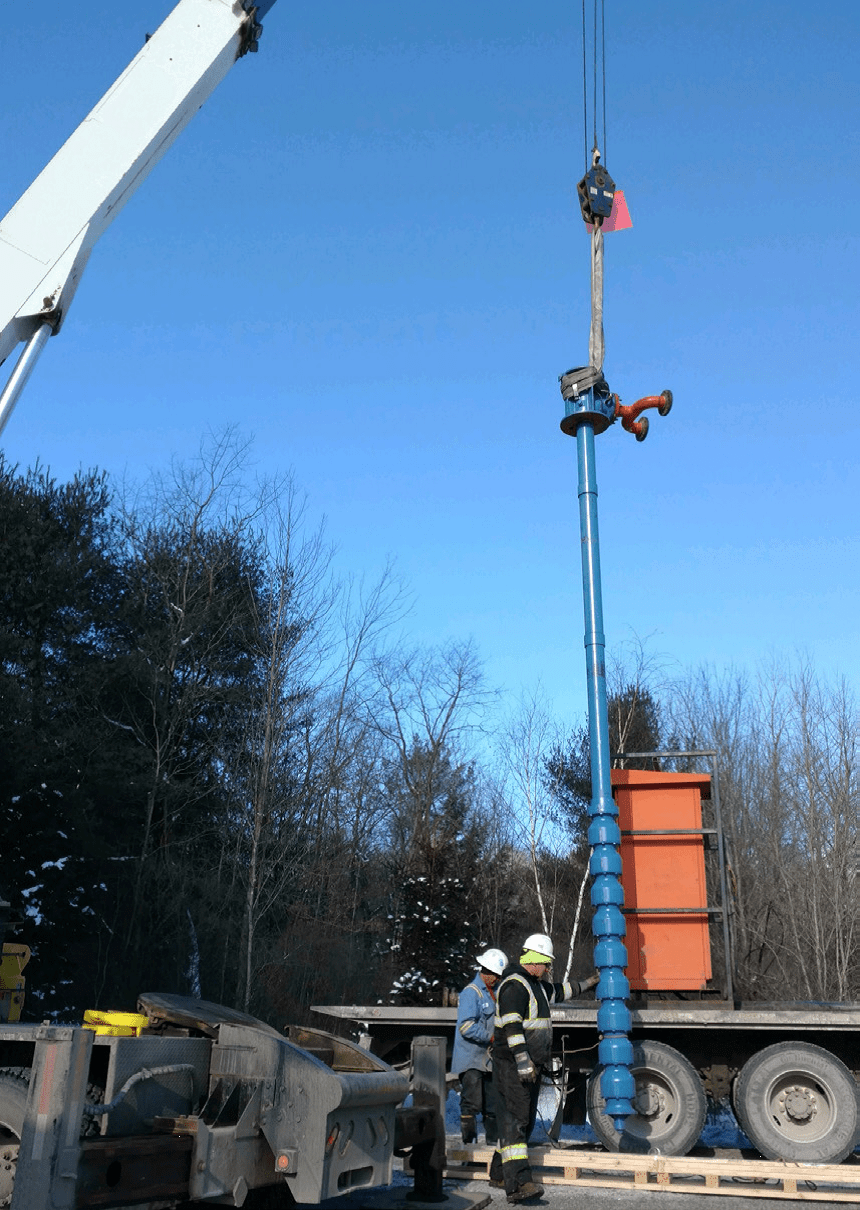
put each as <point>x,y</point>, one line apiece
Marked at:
<point>516,1110</point>
<point>478,1097</point>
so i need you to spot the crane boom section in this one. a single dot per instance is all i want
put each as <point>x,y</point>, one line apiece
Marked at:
<point>47,236</point>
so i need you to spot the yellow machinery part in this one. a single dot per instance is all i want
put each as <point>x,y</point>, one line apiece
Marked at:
<point>115,1025</point>
<point>12,962</point>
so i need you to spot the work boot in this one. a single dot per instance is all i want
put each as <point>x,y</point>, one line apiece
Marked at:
<point>469,1128</point>
<point>526,1193</point>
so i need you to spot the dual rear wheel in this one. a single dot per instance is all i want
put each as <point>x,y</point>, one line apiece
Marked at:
<point>796,1101</point>
<point>793,1100</point>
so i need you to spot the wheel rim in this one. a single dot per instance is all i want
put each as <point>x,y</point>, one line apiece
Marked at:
<point>800,1106</point>
<point>657,1103</point>
<point>8,1160</point>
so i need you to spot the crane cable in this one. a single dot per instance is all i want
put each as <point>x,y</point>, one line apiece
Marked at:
<point>596,344</point>
<point>598,76</point>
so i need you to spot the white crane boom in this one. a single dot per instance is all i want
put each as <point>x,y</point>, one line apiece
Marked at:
<point>47,236</point>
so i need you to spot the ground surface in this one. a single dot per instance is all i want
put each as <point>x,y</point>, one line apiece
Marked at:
<point>721,1131</point>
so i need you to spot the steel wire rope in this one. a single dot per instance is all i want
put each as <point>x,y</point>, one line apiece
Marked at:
<point>603,67</point>
<point>594,72</point>
<point>584,93</point>
<point>597,81</point>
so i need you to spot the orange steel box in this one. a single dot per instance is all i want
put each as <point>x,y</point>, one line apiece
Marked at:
<point>665,952</point>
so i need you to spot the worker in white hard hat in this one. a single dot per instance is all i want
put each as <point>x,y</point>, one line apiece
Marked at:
<point>476,1009</point>
<point>521,1049</point>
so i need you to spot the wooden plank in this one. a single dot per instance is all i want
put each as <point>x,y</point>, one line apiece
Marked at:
<point>682,1185</point>
<point>686,1185</point>
<point>721,1175</point>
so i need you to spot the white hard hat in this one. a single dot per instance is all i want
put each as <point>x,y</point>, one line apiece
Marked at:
<point>493,960</point>
<point>539,943</point>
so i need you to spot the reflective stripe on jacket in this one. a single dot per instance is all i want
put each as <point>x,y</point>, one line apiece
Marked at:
<point>475,1010</point>
<point>523,1022</point>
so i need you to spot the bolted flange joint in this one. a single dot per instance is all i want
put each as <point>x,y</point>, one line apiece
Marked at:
<point>586,398</point>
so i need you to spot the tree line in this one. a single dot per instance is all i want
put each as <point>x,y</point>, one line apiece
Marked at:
<point>225,773</point>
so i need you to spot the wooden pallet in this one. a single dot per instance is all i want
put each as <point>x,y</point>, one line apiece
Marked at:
<point>729,1176</point>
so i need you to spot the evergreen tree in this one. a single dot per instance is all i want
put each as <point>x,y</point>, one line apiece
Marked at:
<point>435,846</point>
<point>65,769</point>
<point>634,726</point>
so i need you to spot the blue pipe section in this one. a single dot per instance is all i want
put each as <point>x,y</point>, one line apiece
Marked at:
<point>615,1050</point>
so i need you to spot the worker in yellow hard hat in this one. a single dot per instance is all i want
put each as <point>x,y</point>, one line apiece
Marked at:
<point>521,1049</point>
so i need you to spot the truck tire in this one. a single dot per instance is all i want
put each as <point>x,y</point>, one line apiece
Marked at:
<point>795,1101</point>
<point>670,1104</point>
<point>14,1084</point>
<point>14,1087</point>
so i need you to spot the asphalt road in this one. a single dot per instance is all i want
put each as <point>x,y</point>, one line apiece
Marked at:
<point>476,1195</point>
<point>560,1197</point>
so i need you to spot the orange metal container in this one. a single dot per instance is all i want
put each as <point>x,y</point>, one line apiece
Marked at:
<point>666,951</point>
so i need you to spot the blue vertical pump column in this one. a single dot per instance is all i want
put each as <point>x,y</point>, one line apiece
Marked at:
<point>589,410</point>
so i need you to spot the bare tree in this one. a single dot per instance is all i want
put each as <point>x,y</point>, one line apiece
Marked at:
<point>787,747</point>
<point>192,575</point>
<point>817,825</point>
<point>527,741</point>
<point>275,789</point>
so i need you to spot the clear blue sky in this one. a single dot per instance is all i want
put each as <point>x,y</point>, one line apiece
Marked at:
<point>366,252</point>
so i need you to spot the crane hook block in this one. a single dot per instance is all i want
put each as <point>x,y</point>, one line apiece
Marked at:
<point>596,193</point>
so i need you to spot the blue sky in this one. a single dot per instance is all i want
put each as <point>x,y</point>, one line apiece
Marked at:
<point>366,252</point>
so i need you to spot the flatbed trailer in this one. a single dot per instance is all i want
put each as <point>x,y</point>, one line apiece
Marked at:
<point>789,1071</point>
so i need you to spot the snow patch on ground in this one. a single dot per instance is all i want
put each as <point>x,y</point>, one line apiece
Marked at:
<point>720,1130</point>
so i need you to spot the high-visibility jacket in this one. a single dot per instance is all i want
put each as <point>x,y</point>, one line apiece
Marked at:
<point>475,1011</point>
<point>523,1023</point>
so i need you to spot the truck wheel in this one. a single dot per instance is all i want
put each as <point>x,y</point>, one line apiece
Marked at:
<point>670,1104</point>
<point>14,1087</point>
<point>795,1101</point>
<point>14,1083</point>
